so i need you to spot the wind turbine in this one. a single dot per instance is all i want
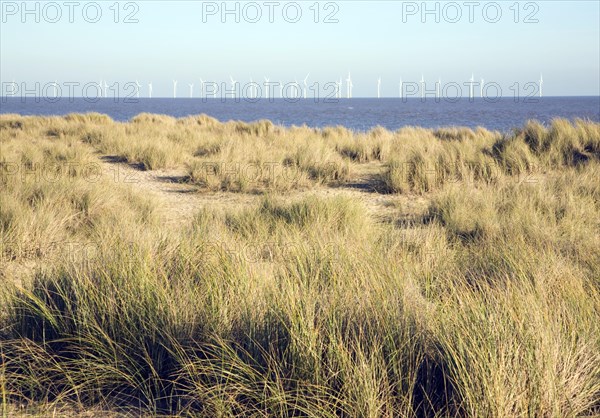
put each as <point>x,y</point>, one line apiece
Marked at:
<point>100,88</point>
<point>105,88</point>
<point>338,89</point>
<point>252,89</point>
<point>137,90</point>
<point>541,84</point>
<point>349,86</point>
<point>481,88</point>
<point>471,87</point>
<point>201,87</point>
<point>379,88</point>
<point>55,85</point>
<point>191,90</point>
<point>400,87</point>
<point>305,84</point>
<point>437,88</point>
<point>267,87</point>
<point>422,87</point>
<point>281,89</point>
<point>174,89</point>
<point>233,84</point>
<point>150,90</point>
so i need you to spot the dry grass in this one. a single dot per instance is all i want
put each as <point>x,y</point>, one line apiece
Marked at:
<point>485,304</point>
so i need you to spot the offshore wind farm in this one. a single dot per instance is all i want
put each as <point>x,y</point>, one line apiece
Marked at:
<point>318,90</point>
<point>421,101</point>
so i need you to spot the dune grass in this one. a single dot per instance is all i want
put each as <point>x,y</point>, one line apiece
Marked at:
<point>486,304</point>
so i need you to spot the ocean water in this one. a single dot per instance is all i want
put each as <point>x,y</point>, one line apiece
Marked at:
<point>357,114</point>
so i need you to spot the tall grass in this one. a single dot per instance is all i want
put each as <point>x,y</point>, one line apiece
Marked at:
<point>486,303</point>
<point>459,156</point>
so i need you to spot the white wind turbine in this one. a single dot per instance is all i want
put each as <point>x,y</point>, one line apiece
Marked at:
<point>252,89</point>
<point>105,88</point>
<point>233,85</point>
<point>174,89</point>
<point>137,90</point>
<point>481,88</point>
<point>541,84</point>
<point>349,87</point>
<point>150,90</point>
<point>100,88</point>
<point>338,89</point>
<point>305,84</point>
<point>281,89</point>
<point>400,87</point>
<point>471,87</point>
<point>437,88</point>
<point>267,87</point>
<point>379,88</point>
<point>422,87</point>
<point>55,85</point>
<point>191,90</point>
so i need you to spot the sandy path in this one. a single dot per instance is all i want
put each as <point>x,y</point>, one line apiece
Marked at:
<point>178,200</point>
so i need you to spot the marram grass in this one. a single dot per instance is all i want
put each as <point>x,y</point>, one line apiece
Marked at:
<point>301,303</point>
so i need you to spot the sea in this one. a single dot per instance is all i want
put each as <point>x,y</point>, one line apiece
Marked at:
<point>358,114</point>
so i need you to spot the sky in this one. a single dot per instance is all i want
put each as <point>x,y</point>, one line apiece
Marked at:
<point>507,42</point>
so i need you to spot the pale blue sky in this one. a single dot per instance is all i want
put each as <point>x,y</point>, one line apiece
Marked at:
<point>171,41</point>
